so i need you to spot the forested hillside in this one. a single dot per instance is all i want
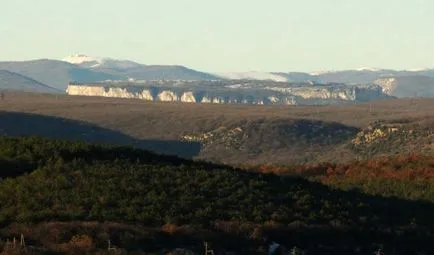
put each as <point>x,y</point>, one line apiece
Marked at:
<point>57,181</point>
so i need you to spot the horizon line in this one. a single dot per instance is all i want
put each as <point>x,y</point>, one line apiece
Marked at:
<point>313,72</point>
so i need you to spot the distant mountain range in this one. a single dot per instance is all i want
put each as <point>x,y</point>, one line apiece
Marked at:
<point>351,77</point>
<point>125,69</point>
<point>47,75</point>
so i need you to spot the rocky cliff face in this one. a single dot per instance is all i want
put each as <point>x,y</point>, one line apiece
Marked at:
<point>388,84</point>
<point>171,95</point>
<point>381,138</point>
<point>231,92</point>
<point>407,86</point>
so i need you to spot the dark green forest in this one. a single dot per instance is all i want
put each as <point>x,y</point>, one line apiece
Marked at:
<point>57,181</point>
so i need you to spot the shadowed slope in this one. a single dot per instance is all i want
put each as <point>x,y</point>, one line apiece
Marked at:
<point>272,135</point>
<point>14,81</point>
<point>24,124</point>
<point>78,182</point>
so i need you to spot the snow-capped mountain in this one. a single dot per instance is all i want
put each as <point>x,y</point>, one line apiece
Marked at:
<point>78,59</point>
<point>55,73</point>
<point>268,76</point>
<point>340,76</point>
<point>370,69</point>
<point>130,70</point>
<point>361,69</point>
<point>253,75</point>
<point>98,62</point>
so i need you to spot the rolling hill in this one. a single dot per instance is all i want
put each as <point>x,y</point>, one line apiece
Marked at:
<point>14,81</point>
<point>69,188</point>
<point>24,124</point>
<point>132,70</point>
<point>157,72</point>
<point>243,134</point>
<point>54,73</point>
<point>58,74</point>
<point>361,179</point>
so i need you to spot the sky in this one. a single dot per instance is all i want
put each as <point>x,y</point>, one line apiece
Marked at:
<point>225,35</point>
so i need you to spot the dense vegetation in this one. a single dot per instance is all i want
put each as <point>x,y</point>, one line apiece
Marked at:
<point>47,180</point>
<point>405,176</point>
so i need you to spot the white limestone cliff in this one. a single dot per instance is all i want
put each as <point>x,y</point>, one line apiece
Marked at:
<point>167,95</point>
<point>261,96</point>
<point>388,84</point>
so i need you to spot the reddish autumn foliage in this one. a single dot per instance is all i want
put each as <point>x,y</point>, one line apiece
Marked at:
<point>403,167</point>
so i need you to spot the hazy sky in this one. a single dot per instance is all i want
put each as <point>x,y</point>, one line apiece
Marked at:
<point>225,35</point>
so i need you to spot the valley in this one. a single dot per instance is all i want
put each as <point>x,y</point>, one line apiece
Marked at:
<point>266,134</point>
<point>216,127</point>
<point>80,171</point>
<point>74,197</point>
<point>79,175</point>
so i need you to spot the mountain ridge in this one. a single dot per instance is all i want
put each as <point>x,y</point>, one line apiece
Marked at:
<point>137,71</point>
<point>54,73</point>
